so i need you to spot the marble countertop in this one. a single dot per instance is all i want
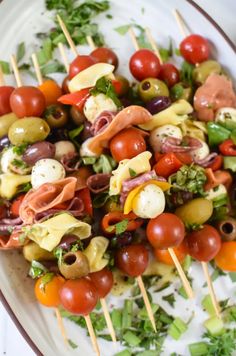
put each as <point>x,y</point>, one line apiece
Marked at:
<point>224,14</point>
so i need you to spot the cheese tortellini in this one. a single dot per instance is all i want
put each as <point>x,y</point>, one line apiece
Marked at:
<point>95,253</point>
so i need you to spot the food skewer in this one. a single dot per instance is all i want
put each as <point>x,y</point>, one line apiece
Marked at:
<point>67,36</point>
<point>178,266</point>
<point>16,71</point>
<point>2,80</point>
<point>37,69</point>
<point>153,44</point>
<point>183,26</point>
<point>63,56</point>
<point>133,260</point>
<point>91,42</point>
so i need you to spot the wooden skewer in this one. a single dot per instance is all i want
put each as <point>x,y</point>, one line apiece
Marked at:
<point>211,289</point>
<point>184,279</point>
<point>61,325</point>
<point>16,71</point>
<point>92,334</point>
<point>37,69</point>
<point>64,56</point>
<point>146,302</point>
<point>108,319</point>
<point>91,42</point>
<point>181,23</point>
<point>133,38</point>
<point>2,80</point>
<point>67,36</point>
<point>153,44</point>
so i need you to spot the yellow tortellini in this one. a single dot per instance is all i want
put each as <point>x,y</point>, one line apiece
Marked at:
<point>194,129</point>
<point>95,252</point>
<point>139,164</point>
<point>49,233</point>
<point>10,183</point>
<point>173,115</point>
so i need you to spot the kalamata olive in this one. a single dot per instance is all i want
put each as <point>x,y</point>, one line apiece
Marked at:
<point>4,142</point>
<point>77,116</point>
<point>86,133</point>
<point>58,135</point>
<point>158,104</point>
<point>56,116</point>
<point>121,240</point>
<point>28,130</point>
<point>74,265</point>
<point>67,241</point>
<point>227,229</point>
<point>5,122</point>
<point>38,151</point>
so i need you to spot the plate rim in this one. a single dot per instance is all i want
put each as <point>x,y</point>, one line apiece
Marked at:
<point>3,299</point>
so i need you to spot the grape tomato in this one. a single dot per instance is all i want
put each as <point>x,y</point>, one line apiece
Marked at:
<point>103,281</point>
<point>143,64</point>
<point>132,259</point>
<point>27,101</point>
<point>5,93</point>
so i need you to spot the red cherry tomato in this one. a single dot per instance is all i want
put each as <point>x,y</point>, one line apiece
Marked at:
<point>226,257</point>
<point>128,143</point>
<point>169,74</point>
<point>165,257</point>
<point>132,259</point>
<point>5,93</point>
<point>195,49</point>
<point>165,231</point>
<point>144,64</point>
<point>15,207</point>
<point>47,293</point>
<point>204,244</point>
<point>184,157</point>
<point>80,63</point>
<point>103,281</point>
<point>105,55</point>
<point>27,101</point>
<point>79,296</point>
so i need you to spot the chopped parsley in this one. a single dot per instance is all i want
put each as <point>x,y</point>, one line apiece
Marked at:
<point>19,150</point>
<point>170,298</point>
<point>46,279</point>
<point>105,86</point>
<point>72,344</point>
<point>20,52</point>
<point>132,173</point>
<point>104,164</point>
<point>119,227</point>
<point>36,269</point>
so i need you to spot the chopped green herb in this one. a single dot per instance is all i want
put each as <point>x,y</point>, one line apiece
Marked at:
<point>177,328</point>
<point>208,305</point>
<point>177,52</point>
<point>186,73</point>
<point>89,160</point>
<point>100,199</point>
<point>232,276</point>
<point>177,91</point>
<point>46,279</point>
<point>169,299</point>
<point>52,67</point>
<point>105,86</point>
<point>123,353</point>
<point>19,150</point>
<point>72,344</point>
<point>104,164</point>
<point>183,293</point>
<point>222,345</point>
<point>36,269</point>
<point>24,188</point>
<point>198,349</point>
<point>131,339</point>
<point>132,173</point>
<point>214,326</point>
<point>122,30</point>
<point>19,163</point>
<point>58,252</point>
<point>120,227</point>
<point>109,16</point>
<point>5,67</point>
<point>73,134</point>
<point>20,52</point>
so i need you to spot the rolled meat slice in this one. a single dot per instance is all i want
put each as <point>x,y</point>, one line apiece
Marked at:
<point>99,183</point>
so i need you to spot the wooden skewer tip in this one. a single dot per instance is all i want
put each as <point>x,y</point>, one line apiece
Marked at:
<point>92,334</point>
<point>16,71</point>
<point>61,325</point>
<point>108,319</point>
<point>67,35</point>
<point>37,69</point>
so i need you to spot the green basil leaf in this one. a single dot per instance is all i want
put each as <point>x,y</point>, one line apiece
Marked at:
<point>20,53</point>
<point>5,67</point>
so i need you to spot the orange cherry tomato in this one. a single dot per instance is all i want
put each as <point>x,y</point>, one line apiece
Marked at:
<point>15,207</point>
<point>226,257</point>
<point>165,257</point>
<point>115,217</point>
<point>51,91</point>
<point>47,293</point>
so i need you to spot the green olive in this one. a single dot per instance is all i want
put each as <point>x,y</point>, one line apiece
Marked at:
<point>74,265</point>
<point>181,91</point>
<point>196,211</point>
<point>56,116</point>
<point>5,122</point>
<point>151,88</point>
<point>28,130</point>
<point>77,116</point>
<point>204,69</point>
<point>124,85</point>
<point>33,251</point>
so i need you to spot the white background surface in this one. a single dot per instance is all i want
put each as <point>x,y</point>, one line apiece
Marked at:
<point>11,342</point>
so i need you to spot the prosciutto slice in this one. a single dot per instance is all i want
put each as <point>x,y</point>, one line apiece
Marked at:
<point>46,197</point>
<point>101,122</point>
<point>71,162</point>
<point>206,162</point>
<point>9,242</point>
<point>98,183</point>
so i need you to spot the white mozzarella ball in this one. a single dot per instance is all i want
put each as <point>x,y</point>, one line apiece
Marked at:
<point>85,151</point>
<point>7,157</point>
<point>150,202</point>
<point>158,135</point>
<point>46,171</point>
<point>201,152</point>
<point>64,148</point>
<point>95,105</point>
<point>224,114</point>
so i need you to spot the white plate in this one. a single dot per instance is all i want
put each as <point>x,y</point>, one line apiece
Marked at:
<point>19,21</point>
